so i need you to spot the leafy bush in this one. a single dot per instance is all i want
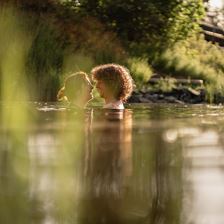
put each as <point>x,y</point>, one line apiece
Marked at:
<point>165,84</point>
<point>194,58</point>
<point>153,22</point>
<point>140,71</point>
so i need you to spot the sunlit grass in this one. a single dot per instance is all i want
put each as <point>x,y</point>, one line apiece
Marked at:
<point>140,70</point>
<point>195,59</point>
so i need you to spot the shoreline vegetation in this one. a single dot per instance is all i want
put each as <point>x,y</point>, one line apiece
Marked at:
<point>42,42</point>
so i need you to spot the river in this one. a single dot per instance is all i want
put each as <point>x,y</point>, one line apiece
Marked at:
<point>150,164</point>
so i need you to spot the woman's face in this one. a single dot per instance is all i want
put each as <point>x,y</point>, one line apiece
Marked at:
<point>84,94</point>
<point>88,90</point>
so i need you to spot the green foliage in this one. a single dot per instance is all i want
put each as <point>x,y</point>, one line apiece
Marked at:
<point>195,58</point>
<point>140,71</point>
<point>157,23</point>
<point>66,36</point>
<point>14,47</point>
<point>166,84</point>
<point>75,62</point>
<point>58,41</point>
<point>44,61</point>
<point>184,19</point>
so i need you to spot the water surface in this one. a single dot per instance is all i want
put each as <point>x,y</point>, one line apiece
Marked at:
<point>148,164</point>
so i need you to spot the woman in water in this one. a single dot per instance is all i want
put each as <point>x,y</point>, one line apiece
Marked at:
<point>77,90</point>
<point>114,83</point>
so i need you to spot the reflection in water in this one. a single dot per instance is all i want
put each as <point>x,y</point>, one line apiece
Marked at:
<point>204,178</point>
<point>145,166</point>
<point>109,166</point>
<point>54,153</point>
<point>13,179</point>
<point>41,151</point>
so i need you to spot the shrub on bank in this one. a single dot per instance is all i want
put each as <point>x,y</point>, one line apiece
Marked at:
<point>194,58</point>
<point>140,70</point>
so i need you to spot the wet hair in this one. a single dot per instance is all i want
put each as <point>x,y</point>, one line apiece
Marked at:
<point>72,86</point>
<point>116,77</point>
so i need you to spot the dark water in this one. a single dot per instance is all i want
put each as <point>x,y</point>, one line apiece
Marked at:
<point>149,164</point>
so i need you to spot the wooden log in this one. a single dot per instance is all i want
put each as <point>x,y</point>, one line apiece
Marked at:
<point>214,37</point>
<point>179,81</point>
<point>211,28</point>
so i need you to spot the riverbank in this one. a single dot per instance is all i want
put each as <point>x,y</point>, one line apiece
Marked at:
<point>160,89</point>
<point>177,95</point>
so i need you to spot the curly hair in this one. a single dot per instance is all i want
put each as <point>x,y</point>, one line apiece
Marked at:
<point>116,77</point>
